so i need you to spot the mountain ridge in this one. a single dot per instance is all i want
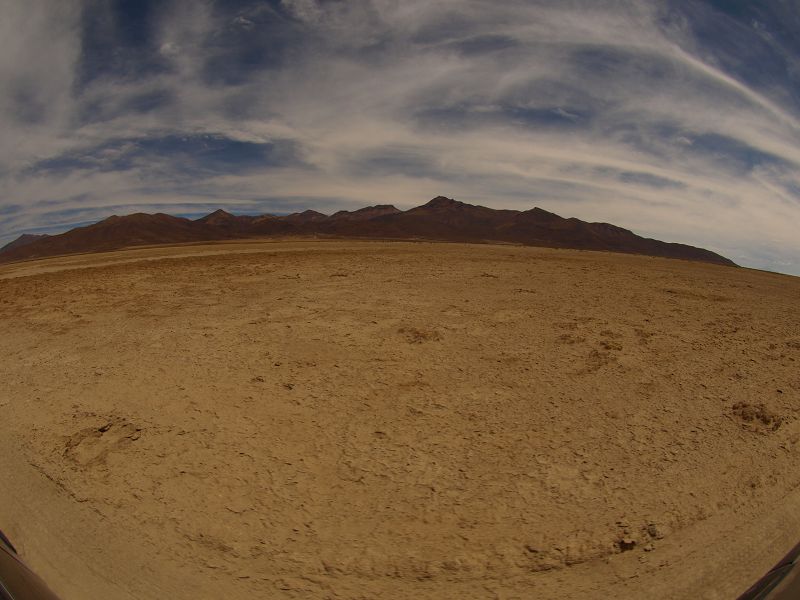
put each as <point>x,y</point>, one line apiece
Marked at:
<point>440,219</point>
<point>23,240</point>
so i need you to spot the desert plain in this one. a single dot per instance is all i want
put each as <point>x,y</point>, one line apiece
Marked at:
<point>364,419</point>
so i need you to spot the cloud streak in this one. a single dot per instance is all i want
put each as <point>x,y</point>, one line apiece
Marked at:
<point>656,116</point>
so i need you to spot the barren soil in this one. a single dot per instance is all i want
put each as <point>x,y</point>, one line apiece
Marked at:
<point>301,419</point>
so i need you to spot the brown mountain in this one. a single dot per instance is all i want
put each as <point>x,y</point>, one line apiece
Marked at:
<point>23,240</point>
<point>364,214</point>
<point>440,219</point>
<point>117,232</point>
<point>307,216</point>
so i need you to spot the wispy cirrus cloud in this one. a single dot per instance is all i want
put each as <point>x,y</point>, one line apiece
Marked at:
<point>676,119</point>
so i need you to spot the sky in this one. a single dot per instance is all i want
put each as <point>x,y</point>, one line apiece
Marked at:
<point>678,119</point>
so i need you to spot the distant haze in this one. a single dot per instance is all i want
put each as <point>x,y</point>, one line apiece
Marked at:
<point>679,120</point>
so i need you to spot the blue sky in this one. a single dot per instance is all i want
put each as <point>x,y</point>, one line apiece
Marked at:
<point>677,119</point>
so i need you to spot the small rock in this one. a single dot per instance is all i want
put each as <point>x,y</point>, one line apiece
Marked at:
<point>654,532</point>
<point>626,544</point>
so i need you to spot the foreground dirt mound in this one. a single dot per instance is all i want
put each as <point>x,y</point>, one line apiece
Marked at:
<point>344,419</point>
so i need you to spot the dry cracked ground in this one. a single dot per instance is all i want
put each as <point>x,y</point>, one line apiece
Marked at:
<point>341,419</point>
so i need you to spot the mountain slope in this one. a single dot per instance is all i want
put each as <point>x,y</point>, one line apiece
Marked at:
<point>23,240</point>
<point>117,232</point>
<point>442,219</point>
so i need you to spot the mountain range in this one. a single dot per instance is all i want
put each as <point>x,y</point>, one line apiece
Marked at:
<point>441,219</point>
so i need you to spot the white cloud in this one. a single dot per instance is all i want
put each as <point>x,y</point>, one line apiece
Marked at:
<point>638,106</point>
<point>169,49</point>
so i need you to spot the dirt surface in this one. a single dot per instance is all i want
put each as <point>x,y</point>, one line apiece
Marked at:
<point>302,419</point>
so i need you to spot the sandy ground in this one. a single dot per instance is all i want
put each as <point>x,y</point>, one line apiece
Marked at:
<point>302,419</point>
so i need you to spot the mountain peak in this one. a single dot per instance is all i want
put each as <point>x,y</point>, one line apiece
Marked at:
<point>23,240</point>
<point>442,202</point>
<point>307,216</point>
<point>379,209</point>
<point>217,216</point>
<point>368,212</point>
